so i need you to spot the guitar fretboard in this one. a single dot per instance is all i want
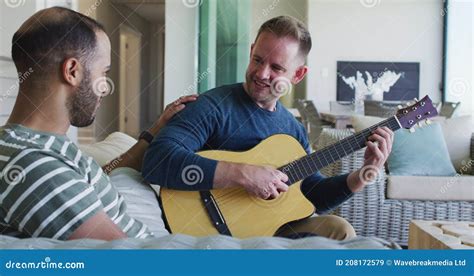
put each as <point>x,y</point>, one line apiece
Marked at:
<point>309,164</point>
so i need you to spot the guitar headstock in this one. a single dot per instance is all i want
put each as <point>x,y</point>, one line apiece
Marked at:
<point>417,112</point>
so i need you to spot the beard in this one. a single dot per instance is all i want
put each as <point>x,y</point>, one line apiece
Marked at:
<point>83,104</point>
<point>257,94</point>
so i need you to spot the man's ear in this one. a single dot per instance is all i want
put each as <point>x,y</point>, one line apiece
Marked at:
<point>72,71</point>
<point>299,74</point>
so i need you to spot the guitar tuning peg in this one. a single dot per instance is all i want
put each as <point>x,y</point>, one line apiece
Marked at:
<point>416,99</point>
<point>399,106</point>
<point>428,121</point>
<point>419,124</point>
<point>412,130</point>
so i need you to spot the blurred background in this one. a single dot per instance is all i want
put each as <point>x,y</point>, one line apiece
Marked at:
<point>163,49</point>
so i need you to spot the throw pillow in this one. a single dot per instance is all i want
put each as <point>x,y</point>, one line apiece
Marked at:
<point>111,147</point>
<point>423,152</point>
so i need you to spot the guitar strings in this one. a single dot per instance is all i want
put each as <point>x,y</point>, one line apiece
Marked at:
<point>325,156</point>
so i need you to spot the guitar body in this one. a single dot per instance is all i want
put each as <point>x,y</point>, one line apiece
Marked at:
<point>245,215</point>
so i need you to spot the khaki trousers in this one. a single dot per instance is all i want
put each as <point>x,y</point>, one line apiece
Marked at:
<point>328,226</point>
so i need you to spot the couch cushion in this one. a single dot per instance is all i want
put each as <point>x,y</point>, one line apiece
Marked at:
<point>457,133</point>
<point>111,147</point>
<point>430,188</point>
<point>421,153</point>
<point>179,241</point>
<point>140,199</point>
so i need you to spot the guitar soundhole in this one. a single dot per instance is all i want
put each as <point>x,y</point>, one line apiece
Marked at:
<point>270,201</point>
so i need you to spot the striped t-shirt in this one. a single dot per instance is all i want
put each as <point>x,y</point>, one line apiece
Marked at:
<point>48,187</point>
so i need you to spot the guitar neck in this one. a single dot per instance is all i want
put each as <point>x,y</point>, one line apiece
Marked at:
<point>309,164</point>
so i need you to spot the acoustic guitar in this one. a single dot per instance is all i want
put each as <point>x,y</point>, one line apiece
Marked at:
<point>187,212</point>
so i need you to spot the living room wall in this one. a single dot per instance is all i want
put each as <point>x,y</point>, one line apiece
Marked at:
<point>107,118</point>
<point>181,44</point>
<point>459,81</point>
<point>401,30</point>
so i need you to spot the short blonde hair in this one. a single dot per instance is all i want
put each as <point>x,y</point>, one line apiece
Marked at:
<point>287,26</point>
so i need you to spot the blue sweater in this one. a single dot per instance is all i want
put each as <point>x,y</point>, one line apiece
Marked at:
<point>226,118</point>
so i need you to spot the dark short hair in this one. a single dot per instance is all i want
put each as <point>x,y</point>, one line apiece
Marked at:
<point>287,26</point>
<point>50,36</point>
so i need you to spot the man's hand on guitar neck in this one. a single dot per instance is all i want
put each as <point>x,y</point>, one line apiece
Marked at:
<point>261,181</point>
<point>379,146</point>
